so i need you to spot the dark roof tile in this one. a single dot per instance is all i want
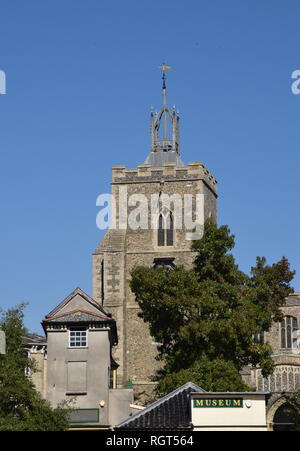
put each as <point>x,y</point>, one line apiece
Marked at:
<point>172,412</point>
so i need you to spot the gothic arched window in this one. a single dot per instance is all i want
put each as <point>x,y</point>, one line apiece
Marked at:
<point>259,336</point>
<point>161,231</point>
<point>289,329</point>
<point>165,232</point>
<point>170,230</point>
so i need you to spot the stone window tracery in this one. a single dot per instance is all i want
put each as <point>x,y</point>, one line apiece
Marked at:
<point>289,328</point>
<point>165,232</point>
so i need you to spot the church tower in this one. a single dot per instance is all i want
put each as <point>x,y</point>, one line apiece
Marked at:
<point>158,237</point>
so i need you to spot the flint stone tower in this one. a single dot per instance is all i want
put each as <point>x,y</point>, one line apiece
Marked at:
<point>122,247</point>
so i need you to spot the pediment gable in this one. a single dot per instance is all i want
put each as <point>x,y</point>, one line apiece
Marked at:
<point>80,303</point>
<point>80,308</point>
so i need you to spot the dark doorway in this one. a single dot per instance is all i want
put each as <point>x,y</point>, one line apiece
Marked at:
<point>282,419</point>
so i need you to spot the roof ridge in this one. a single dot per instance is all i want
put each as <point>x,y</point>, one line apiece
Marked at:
<point>67,299</point>
<point>161,401</point>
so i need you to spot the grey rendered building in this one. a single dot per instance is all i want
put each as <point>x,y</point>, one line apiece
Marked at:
<point>80,336</point>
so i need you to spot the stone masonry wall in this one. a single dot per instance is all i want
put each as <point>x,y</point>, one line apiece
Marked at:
<point>286,375</point>
<point>122,249</point>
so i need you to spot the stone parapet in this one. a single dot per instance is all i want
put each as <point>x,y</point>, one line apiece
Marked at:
<point>146,173</point>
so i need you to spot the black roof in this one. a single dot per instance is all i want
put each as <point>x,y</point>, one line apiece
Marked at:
<point>172,412</point>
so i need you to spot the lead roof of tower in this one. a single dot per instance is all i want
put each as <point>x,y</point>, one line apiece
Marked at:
<point>158,159</point>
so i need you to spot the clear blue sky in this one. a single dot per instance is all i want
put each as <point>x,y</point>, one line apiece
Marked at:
<point>81,78</point>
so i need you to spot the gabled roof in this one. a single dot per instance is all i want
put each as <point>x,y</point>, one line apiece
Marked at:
<point>80,309</point>
<point>86,297</point>
<point>172,412</point>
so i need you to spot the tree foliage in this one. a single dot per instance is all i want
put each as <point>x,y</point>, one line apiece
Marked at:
<point>204,319</point>
<point>21,406</point>
<point>293,408</point>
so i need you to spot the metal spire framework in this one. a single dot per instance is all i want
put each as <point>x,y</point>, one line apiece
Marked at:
<point>164,144</point>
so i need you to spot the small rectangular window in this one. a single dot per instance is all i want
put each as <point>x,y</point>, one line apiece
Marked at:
<point>78,338</point>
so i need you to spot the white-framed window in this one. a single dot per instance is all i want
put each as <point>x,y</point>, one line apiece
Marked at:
<point>78,337</point>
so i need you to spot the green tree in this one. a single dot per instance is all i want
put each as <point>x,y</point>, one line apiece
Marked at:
<point>205,318</point>
<point>21,407</point>
<point>293,408</point>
